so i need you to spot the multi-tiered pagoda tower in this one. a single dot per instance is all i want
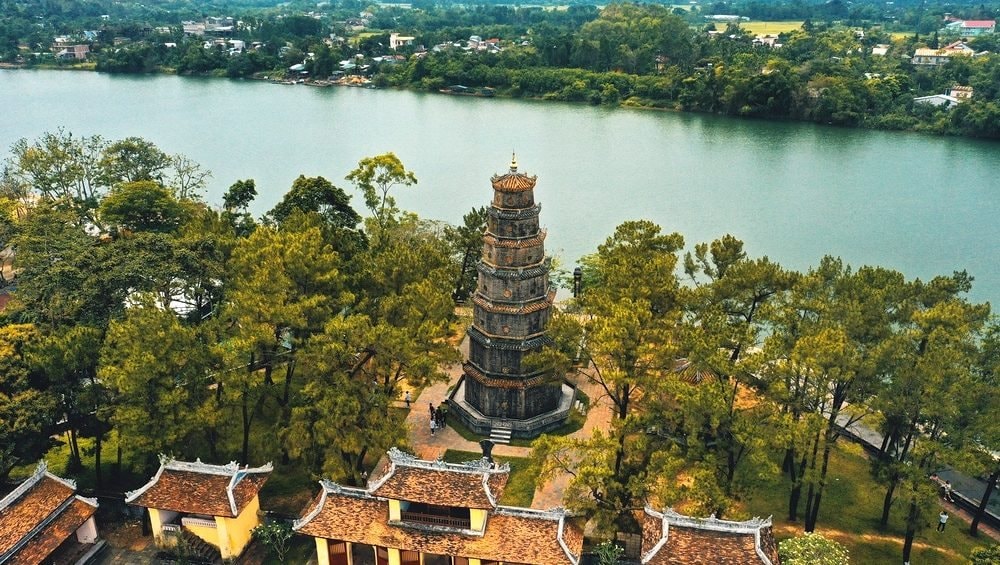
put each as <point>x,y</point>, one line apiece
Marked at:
<point>511,309</point>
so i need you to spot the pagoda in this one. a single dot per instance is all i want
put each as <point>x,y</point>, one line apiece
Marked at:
<point>512,305</point>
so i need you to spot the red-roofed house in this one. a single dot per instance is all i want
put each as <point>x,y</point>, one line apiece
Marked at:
<point>434,513</point>
<point>970,28</point>
<point>44,521</point>
<point>669,538</point>
<point>218,504</point>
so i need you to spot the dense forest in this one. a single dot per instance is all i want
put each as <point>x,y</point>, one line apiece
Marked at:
<point>824,71</point>
<point>144,318</point>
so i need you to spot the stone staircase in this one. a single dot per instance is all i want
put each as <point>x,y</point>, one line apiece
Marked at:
<point>196,550</point>
<point>500,434</point>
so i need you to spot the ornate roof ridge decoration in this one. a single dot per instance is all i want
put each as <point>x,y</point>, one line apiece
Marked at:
<point>402,459</point>
<point>501,308</point>
<point>669,517</point>
<point>41,471</point>
<point>552,514</point>
<point>197,466</point>
<point>515,243</point>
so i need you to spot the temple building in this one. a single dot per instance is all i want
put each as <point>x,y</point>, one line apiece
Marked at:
<point>43,520</point>
<point>512,305</point>
<point>416,512</point>
<point>212,509</point>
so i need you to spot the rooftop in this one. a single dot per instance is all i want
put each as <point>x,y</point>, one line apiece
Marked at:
<point>467,485</point>
<point>38,516</point>
<point>675,539</point>
<point>201,488</point>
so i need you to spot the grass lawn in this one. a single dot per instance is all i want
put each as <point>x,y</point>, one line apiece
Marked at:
<point>849,513</point>
<point>772,28</point>
<point>523,476</point>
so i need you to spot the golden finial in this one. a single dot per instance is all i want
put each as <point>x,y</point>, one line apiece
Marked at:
<point>513,162</point>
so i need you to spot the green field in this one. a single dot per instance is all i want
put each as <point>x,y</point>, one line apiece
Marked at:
<point>767,28</point>
<point>850,512</point>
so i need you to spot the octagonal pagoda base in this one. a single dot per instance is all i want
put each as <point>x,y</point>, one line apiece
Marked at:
<point>525,429</point>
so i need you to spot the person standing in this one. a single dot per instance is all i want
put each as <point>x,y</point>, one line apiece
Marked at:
<point>947,491</point>
<point>433,425</point>
<point>431,404</point>
<point>407,399</point>
<point>942,520</point>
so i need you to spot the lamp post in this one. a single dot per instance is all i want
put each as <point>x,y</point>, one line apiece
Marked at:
<point>577,281</point>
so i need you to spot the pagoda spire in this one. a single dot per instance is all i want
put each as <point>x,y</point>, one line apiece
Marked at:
<point>513,162</point>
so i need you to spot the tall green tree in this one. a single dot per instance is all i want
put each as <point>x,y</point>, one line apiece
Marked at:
<point>629,315</point>
<point>375,177</point>
<point>155,369</point>
<point>729,424</point>
<point>274,306</point>
<point>924,404</point>
<point>28,408</point>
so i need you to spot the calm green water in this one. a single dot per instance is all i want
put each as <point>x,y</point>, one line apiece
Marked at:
<point>794,192</point>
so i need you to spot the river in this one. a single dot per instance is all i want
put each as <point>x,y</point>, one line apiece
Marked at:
<point>792,191</point>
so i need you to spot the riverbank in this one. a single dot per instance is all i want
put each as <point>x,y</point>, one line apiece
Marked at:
<point>939,127</point>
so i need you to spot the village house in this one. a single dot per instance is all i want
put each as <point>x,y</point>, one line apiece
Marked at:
<point>672,538</point>
<point>416,512</point>
<point>969,28</point>
<point>217,505</point>
<point>65,47</point>
<point>396,41</point>
<point>926,56</point>
<point>43,520</point>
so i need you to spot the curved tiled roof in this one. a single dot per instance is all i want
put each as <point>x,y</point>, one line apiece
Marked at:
<point>500,241</point>
<point>513,535</point>
<point>670,538</point>
<point>516,384</point>
<point>513,182</point>
<point>440,483</point>
<point>201,488</point>
<point>514,309</point>
<point>38,516</point>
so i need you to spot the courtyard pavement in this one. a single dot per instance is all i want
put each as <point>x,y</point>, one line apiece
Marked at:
<point>431,447</point>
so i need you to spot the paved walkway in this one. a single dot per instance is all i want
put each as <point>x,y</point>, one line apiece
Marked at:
<point>431,447</point>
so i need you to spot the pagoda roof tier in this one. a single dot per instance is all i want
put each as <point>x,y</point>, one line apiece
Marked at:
<point>513,182</point>
<point>514,242</point>
<point>504,382</point>
<point>514,308</point>
<point>514,213</point>
<point>509,343</point>
<point>515,273</point>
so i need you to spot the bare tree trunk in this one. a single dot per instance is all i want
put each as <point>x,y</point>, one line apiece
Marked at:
<point>991,483</point>
<point>911,531</point>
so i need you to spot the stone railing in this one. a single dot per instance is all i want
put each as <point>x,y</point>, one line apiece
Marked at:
<point>198,523</point>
